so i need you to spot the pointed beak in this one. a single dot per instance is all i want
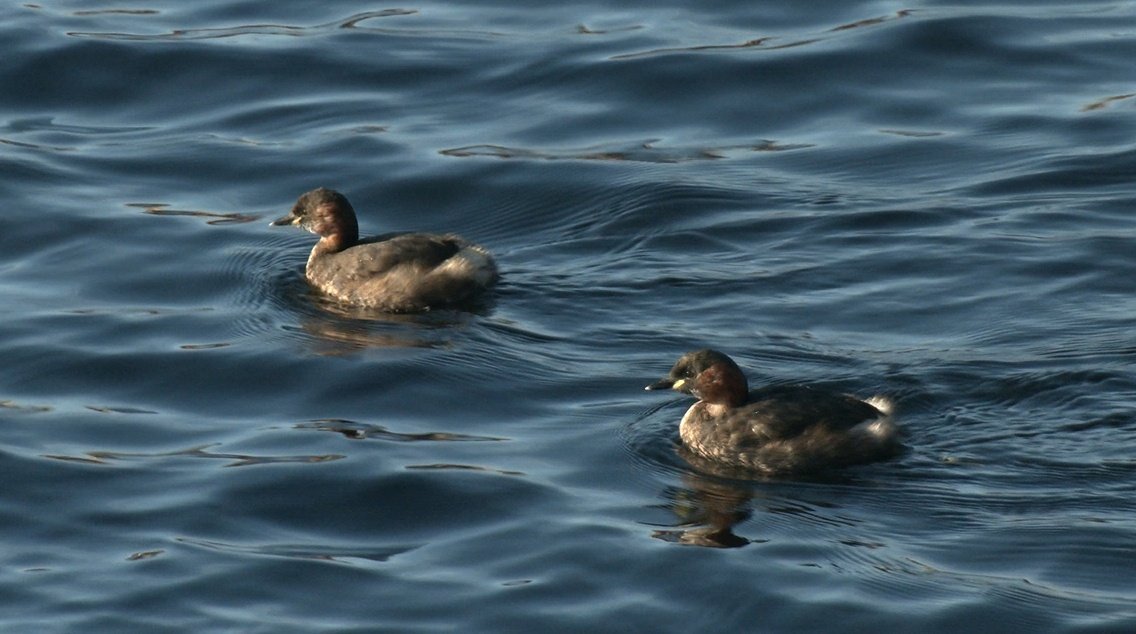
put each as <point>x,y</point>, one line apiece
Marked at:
<point>666,384</point>
<point>290,219</point>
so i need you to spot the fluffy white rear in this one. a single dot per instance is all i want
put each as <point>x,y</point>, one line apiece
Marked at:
<point>883,428</point>
<point>472,262</point>
<point>882,403</point>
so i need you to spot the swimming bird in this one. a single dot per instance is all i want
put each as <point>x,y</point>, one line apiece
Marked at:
<point>397,273</point>
<point>778,429</point>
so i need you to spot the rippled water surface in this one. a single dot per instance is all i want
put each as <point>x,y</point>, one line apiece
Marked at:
<point>928,200</point>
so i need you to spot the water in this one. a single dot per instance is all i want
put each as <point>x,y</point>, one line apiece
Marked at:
<point>928,200</point>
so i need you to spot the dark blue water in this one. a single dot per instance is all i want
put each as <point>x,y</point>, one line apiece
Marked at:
<point>929,200</point>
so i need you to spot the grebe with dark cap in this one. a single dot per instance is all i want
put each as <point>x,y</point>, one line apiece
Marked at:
<point>408,272</point>
<point>778,429</point>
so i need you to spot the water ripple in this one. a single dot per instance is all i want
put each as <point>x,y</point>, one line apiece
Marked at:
<point>360,431</point>
<point>351,22</point>
<point>319,552</point>
<point>767,43</point>
<point>213,217</point>
<point>645,151</point>
<point>237,459</point>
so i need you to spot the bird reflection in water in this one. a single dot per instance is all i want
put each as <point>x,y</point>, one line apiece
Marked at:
<point>708,509</point>
<point>336,329</point>
<point>715,498</point>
